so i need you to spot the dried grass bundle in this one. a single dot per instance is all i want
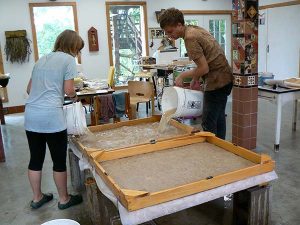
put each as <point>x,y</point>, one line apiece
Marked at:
<point>17,47</point>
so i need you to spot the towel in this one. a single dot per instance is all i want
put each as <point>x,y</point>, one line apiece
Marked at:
<point>107,107</point>
<point>119,102</point>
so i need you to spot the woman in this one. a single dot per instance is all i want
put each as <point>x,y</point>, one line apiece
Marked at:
<point>52,77</point>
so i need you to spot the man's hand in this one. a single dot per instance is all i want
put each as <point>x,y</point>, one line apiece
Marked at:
<point>195,84</point>
<point>179,81</point>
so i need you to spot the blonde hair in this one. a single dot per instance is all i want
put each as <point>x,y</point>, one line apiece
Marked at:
<point>68,42</point>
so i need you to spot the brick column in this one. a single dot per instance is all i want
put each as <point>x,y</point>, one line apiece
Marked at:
<point>244,55</point>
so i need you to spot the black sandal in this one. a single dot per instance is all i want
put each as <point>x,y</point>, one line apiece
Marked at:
<point>46,198</point>
<point>74,200</point>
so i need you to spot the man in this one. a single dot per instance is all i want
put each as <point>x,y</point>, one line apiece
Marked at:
<point>212,67</point>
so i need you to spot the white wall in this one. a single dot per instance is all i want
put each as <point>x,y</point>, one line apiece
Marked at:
<point>269,2</point>
<point>281,32</point>
<point>15,14</point>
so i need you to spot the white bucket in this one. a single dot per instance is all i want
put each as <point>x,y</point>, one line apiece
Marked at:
<point>61,222</point>
<point>187,102</point>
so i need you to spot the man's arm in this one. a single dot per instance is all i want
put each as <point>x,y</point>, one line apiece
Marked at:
<point>201,69</point>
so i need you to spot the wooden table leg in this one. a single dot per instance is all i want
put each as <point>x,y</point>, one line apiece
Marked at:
<point>100,209</point>
<point>1,112</point>
<point>2,153</point>
<point>252,206</point>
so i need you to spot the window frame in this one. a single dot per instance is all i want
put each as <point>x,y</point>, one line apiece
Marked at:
<point>50,4</point>
<point>109,39</point>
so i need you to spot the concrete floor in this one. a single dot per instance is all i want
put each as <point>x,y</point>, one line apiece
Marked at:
<point>16,193</point>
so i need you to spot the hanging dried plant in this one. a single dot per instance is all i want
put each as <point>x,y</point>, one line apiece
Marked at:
<point>17,47</point>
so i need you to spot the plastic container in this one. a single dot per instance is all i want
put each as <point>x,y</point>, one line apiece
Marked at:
<point>264,76</point>
<point>186,102</point>
<point>61,222</point>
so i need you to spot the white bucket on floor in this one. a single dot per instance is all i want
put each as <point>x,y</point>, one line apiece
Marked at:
<point>187,102</point>
<point>61,222</point>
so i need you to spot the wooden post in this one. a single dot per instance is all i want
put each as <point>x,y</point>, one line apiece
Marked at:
<point>100,209</point>
<point>2,154</point>
<point>77,176</point>
<point>252,206</point>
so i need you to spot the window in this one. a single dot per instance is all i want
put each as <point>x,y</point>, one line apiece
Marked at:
<point>127,38</point>
<point>48,21</point>
<point>182,45</point>
<point>217,28</point>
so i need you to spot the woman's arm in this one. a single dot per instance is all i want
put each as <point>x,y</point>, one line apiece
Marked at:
<point>69,89</point>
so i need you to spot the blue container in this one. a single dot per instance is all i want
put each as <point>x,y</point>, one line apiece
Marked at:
<point>262,78</point>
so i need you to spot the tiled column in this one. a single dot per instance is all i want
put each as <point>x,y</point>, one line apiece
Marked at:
<point>244,54</point>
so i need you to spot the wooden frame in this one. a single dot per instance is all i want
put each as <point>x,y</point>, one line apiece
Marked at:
<point>108,4</point>
<point>89,152</point>
<point>136,199</point>
<point>50,4</point>
<point>206,12</point>
<point>3,90</point>
<point>282,4</point>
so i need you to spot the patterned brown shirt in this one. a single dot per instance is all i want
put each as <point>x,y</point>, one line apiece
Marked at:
<point>198,43</point>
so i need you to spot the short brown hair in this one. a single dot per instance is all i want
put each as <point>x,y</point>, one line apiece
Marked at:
<point>171,17</point>
<point>68,42</point>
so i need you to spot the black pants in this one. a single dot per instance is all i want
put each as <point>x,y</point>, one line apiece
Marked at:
<point>57,144</point>
<point>213,117</point>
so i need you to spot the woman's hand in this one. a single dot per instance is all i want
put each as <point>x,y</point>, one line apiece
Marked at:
<point>74,98</point>
<point>179,81</point>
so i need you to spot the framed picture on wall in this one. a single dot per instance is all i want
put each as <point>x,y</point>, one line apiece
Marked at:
<point>156,33</point>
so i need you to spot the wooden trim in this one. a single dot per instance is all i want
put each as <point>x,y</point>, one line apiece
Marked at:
<point>49,4</point>
<point>76,26</point>
<point>125,3</point>
<point>242,152</point>
<point>109,41</point>
<point>14,109</point>
<point>137,199</point>
<point>117,88</point>
<point>124,123</point>
<point>3,90</point>
<point>196,187</point>
<point>46,4</point>
<point>97,152</point>
<point>206,12</point>
<point>147,148</point>
<point>146,29</point>
<point>34,38</point>
<point>282,4</point>
<point>1,62</point>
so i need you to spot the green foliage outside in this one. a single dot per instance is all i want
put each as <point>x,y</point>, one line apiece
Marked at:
<point>46,37</point>
<point>129,56</point>
<point>50,22</point>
